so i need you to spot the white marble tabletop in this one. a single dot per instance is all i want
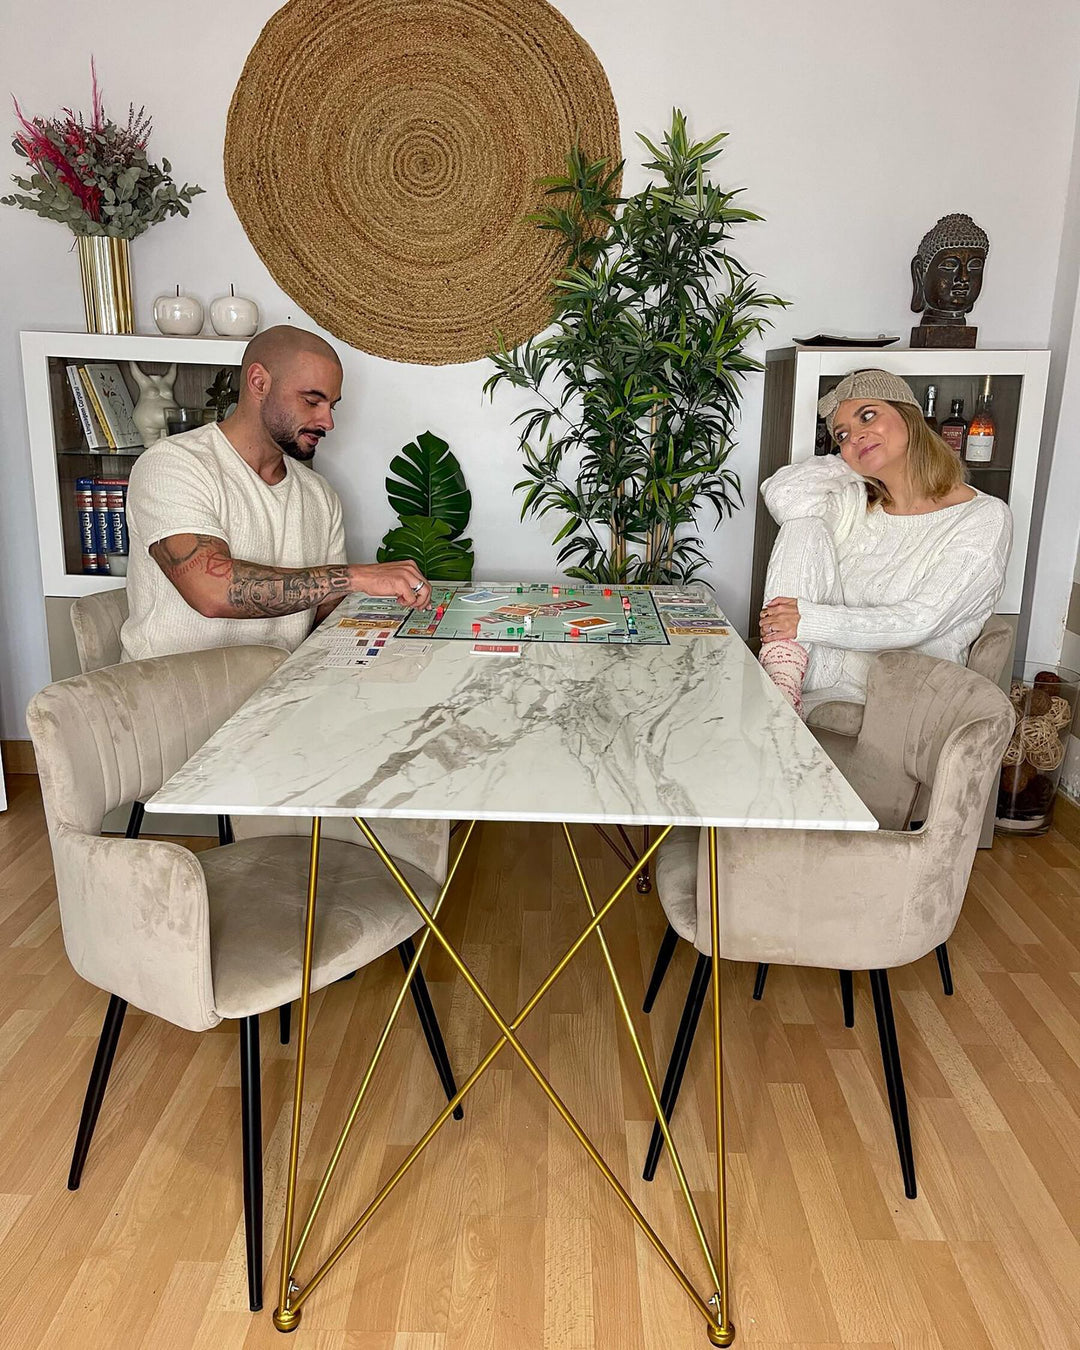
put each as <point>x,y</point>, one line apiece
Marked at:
<point>692,733</point>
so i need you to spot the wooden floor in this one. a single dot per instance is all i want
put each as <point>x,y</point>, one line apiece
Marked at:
<point>504,1237</point>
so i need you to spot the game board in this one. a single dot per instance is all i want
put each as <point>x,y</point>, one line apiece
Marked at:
<point>534,612</point>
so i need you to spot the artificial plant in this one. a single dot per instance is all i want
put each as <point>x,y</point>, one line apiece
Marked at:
<point>433,506</point>
<point>638,382</point>
<point>94,176</point>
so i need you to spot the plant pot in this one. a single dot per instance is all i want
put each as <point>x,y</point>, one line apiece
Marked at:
<point>1045,699</point>
<point>106,281</point>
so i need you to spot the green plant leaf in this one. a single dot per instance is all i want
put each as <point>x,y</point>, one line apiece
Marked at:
<point>428,543</point>
<point>429,483</point>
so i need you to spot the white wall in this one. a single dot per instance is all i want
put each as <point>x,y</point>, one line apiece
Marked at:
<point>851,126</point>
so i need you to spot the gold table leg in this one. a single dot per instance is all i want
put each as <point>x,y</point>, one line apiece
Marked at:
<point>285,1317</point>
<point>723,1334</point>
<point>293,1296</point>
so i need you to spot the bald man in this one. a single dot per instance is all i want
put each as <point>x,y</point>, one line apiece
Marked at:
<point>233,539</point>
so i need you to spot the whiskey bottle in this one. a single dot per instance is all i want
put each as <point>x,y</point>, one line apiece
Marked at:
<point>928,407</point>
<point>954,428</point>
<point>979,446</point>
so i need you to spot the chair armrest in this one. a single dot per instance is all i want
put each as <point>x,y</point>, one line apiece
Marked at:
<point>137,923</point>
<point>836,715</point>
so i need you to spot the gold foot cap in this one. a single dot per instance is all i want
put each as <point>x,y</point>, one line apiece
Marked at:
<point>722,1335</point>
<point>289,1320</point>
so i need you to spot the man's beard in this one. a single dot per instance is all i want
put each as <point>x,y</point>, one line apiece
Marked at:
<point>288,439</point>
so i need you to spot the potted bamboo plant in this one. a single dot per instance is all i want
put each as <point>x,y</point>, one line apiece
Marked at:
<point>637,385</point>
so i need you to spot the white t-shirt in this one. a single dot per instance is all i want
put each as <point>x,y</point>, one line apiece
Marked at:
<point>196,483</point>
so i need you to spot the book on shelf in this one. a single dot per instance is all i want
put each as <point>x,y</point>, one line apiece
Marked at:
<point>95,403</point>
<point>92,429</point>
<point>101,507</point>
<point>113,403</point>
<point>94,561</point>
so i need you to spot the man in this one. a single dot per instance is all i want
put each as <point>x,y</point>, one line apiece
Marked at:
<point>233,539</point>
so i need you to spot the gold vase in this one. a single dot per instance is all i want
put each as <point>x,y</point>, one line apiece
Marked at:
<point>106,282</point>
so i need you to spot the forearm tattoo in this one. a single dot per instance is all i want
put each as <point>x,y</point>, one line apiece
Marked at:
<point>254,590</point>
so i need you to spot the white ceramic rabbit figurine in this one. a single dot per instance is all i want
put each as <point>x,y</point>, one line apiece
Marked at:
<point>155,400</point>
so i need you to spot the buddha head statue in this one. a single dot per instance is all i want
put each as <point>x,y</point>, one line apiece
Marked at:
<point>947,270</point>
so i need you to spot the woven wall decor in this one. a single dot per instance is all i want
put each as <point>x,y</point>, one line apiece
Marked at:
<point>382,156</point>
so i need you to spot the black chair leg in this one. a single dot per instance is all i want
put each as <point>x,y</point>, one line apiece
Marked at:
<point>284,1022</point>
<point>759,980</point>
<point>680,1053</point>
<point>644,877</point>
<point>224,830</point>
<point>135,820</point>
<point>847,995</point>
<point>251,1126</point>
<point>894,1077</point>
<point>668,944</point>
<point>95,1089</point>
<point>942,954</point>
<point>430,1023</point>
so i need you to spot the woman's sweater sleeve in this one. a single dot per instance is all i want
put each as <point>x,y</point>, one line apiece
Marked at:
<point>961,583</point>
<point>823,487</point>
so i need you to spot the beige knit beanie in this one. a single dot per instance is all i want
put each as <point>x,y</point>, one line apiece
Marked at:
<point>875,384</point>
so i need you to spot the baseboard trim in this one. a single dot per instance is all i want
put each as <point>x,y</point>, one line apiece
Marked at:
<point>18,756</point>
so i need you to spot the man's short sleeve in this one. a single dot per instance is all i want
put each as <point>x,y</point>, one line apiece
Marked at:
<point>336,552</point>
<point>170,493</point>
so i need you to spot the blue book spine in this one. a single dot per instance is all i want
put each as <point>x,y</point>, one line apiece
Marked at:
<point>116,492</point>
<point>101,515</point>
<point>93,557</point>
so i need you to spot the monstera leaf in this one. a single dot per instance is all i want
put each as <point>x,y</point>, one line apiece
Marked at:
<point>429,483</point>
<point>429,544</point>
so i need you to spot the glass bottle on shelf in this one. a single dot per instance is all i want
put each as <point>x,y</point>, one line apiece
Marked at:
<point>929,401</point>
<point>954,428</point>
<point>979,446</point>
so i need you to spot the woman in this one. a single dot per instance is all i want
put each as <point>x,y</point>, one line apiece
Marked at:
<point>883,547</point>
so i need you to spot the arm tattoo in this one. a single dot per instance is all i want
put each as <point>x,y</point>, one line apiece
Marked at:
<point>271,591</point>
<point>255,590</point>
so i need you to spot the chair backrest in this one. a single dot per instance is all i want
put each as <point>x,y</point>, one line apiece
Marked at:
<point>97,620</point>
<point>990,650</point>
<point>860,901</point>
<point>133,911</point>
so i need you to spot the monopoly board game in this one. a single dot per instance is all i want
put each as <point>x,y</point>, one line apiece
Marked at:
<point>535,612</point>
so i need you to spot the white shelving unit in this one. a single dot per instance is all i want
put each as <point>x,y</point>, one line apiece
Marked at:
<point>59,455</point>
<point>796,377</point>
<point>58,452</point>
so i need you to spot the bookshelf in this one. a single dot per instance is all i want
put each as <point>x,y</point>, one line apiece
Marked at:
<point>58,449</point>
<point>796,377</point>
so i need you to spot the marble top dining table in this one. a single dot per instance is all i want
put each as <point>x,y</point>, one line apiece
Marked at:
<point>692,733</point>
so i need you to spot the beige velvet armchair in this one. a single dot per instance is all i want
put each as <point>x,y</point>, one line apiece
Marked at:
<point>850,900</point>
<point>195,938</point>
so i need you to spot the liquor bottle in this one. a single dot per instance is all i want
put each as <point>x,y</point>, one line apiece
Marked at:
<point>928,407</point>
<point>979,446</point>
<point>954,428</point>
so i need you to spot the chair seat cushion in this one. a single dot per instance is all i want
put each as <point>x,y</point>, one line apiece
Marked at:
<point>676,879</point>
<point>258,899</point>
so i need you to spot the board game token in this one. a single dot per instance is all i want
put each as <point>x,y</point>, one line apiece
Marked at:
<point>607,592</point>
<point>476,629</point>
<point>439,611</point>
<point>575,631</point>
<point>554,590</point>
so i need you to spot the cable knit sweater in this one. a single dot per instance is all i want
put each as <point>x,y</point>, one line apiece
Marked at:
<point>926,582</point>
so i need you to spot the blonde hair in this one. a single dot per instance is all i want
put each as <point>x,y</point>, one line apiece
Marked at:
<point>934,469</point>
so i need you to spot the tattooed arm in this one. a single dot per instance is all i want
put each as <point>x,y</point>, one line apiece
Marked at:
<point>219,586</point>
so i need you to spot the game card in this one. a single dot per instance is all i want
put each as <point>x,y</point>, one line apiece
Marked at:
<point>482,597</point>
<point>589,621</point>
<point>701,630</point>
<point>496,649</point>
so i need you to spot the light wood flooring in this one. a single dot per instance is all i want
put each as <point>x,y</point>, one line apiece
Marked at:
<point>504,1237</point>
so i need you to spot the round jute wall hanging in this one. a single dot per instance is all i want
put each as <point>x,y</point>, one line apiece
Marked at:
<point>382,156</point>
